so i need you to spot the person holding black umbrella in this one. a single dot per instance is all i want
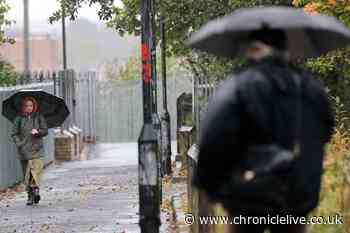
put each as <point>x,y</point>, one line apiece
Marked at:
<point>32,113</point>
<point>262,139</point>
<point>28,131</point>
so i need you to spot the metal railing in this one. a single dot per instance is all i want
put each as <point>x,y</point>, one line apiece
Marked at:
<point>36,77</point>
<point>85,99</point>
<point>66,90</point>
<point>203,90</point>
<point>119,107</point>
<point>79,92</point>
<point>199,205</point>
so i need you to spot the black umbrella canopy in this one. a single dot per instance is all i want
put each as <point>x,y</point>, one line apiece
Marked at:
<point>309,35</point>
<point>53,108</point>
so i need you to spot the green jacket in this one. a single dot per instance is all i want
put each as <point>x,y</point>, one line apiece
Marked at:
<point>29,146</point>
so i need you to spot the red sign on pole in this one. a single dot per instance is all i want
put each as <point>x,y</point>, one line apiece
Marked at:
<point>146,63</point>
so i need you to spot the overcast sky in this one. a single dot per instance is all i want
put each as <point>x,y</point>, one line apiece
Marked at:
<point>40,10</point>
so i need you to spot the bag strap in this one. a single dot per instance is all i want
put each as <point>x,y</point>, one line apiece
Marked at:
<point>297,137</point>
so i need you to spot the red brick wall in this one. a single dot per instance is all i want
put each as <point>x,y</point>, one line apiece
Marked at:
<point>44,53</point>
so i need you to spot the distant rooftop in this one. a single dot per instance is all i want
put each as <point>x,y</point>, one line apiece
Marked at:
<point>36,36</point>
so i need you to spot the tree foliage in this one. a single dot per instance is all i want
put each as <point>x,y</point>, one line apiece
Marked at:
<point>131,69</point>
<point>128,71</point>
<point>4,8</point>
<point>181,19</point>
<point>8,75</point>
<point>338,8</point>
<point>7,72</point>
<point>333,69</point>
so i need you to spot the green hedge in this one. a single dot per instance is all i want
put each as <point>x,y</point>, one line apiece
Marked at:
<point>8,75</point>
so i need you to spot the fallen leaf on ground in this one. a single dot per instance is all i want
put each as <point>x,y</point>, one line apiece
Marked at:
<point>167,180</point>
<point>166,205</point>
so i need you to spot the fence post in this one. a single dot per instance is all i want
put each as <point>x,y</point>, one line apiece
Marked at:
<point>41,76</point>
<point>166,130</point>
<point>35,77</point>
<point>148,180</point>
<point>21,78</point>
<point>73,97</point>
<point>166,145</point>
<point>192,193</point>
<point>89,106</point>
<point>93,113</point>
<point>54,82</point>
<point>195,103</point>
<point>62,91</point>
<point>28,76</point>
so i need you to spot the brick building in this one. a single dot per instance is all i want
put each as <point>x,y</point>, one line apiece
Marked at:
<point>44,51</point>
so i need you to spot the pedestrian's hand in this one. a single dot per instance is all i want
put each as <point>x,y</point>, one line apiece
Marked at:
<point>35,131</point>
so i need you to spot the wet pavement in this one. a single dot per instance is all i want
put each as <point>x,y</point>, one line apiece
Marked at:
<point>99,194</point>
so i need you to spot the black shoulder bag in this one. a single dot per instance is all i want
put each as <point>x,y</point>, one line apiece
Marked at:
<point>260,185</point>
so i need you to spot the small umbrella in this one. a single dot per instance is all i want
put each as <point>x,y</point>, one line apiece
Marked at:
<point>53,108</point>
<point>309,35</point>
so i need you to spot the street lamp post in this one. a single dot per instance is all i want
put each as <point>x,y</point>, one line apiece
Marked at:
<point>26,38</point>
<point>166,129</point>
<point>153,46</point>
<point>146,62</point>
<point>148,156</point>
<point>64,74</point>
<point>156,120</point>
<point>64,42</point>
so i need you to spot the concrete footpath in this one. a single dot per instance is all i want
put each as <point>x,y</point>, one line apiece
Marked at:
<point>99,194</point>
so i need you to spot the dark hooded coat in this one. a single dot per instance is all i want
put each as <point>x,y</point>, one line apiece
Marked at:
<point>29,146</point>
<point>256,106</point>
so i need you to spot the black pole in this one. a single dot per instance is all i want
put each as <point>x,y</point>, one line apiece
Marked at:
<point>27,57</point>
<point>163,55</point>
<point>54,83</point>
<point>153,58</point>
<point>64,37</point>
<point>156,120</point>
<point>63,77</point>
<point>146,61</point>
<point>166,129</point>
<point>149,183</point>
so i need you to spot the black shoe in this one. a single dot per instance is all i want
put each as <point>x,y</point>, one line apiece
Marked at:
<point>30,200</point>
<point>36,195</point>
